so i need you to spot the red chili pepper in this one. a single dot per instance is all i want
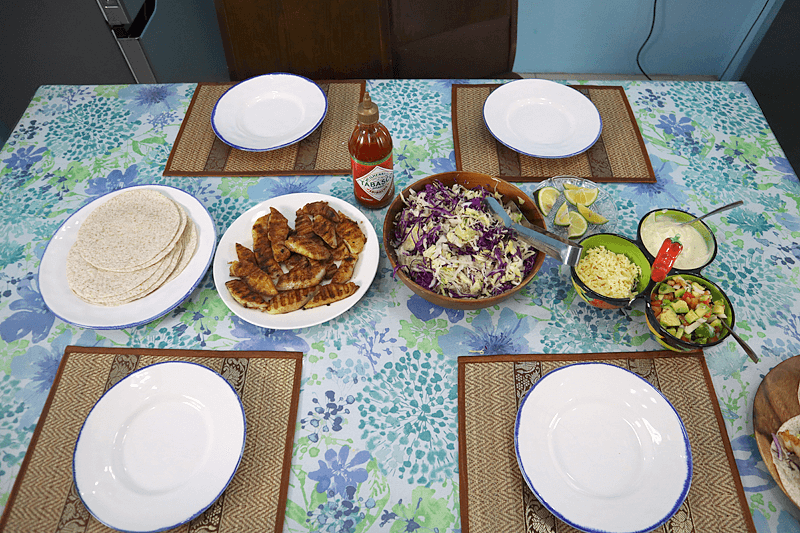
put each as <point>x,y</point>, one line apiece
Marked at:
<point>667,254</point>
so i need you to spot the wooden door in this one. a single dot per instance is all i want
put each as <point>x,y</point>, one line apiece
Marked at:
<point>453,38</point>
<point>341,39</point>
<point>319,39</point>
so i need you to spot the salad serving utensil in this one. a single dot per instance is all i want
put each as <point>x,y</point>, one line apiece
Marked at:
<point>569,253</point>
<point>714,212</point>
<point>746,347</point>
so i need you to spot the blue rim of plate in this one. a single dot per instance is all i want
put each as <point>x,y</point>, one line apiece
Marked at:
<point>161,312</point>
<point>560,515</point>
<point>278,146</point>
<point>132,375</point>
<point>522,151</point>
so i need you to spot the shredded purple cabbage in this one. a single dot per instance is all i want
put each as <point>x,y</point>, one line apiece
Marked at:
<point>447,242</point>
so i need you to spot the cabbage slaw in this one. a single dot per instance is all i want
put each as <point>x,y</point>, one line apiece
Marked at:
<point>447,242</point>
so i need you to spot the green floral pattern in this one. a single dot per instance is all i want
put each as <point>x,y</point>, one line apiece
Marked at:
<point>376,439</point>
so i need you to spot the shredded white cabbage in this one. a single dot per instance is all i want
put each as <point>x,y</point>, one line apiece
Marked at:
<point>449,244</point>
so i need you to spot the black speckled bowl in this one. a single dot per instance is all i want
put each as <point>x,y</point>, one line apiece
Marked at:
<point>673,343</point>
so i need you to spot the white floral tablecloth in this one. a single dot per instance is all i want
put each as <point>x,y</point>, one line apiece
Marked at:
<point>376,440</point>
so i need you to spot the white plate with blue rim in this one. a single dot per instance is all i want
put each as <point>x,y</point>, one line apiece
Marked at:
<point>602,449</point>
<point>241,231</point>
<point>542,118</point>
<point>269,112</point>
<point>60,299</point>
<point>159,447</point>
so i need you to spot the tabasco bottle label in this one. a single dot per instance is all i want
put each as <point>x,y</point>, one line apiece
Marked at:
<point>375,179</point>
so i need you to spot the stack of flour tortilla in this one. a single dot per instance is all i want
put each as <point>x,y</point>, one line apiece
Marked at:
<point>129,247</point>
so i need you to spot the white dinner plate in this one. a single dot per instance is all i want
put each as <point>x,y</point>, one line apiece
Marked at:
<point>542,118</point>
<point>241,231</point>
<point>604,206</point>
<point>602,449</point>
<point>60,299</point>
<point>159,447</point>
<point>268,112</point>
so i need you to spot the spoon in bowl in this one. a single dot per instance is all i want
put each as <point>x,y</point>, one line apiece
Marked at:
<point>714,212</point>
<point>748,350</point>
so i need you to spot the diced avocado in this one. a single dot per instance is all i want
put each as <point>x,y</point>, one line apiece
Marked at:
<point>669,319</point>
<point>697,289</point>
<point>679,332</point>
<point>703,332</point>
<point>679,293</point>
<point>716,323</point>
<point>702,309</point>
<point>665,288</point>
<point>691,316</point>
<point>672,331</point>
<point>718,309</point>
<point>679,306</point>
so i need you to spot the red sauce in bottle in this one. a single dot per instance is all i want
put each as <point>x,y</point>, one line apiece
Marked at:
<point>371,158</point>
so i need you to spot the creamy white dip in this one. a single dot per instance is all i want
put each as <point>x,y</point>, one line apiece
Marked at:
<point>695,251</point>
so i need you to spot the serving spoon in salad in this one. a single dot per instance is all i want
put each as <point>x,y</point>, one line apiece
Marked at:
<point>748,350</point>
<point>569,253</point>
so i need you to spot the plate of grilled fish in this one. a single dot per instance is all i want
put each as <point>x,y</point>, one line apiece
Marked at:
<point>296,261</point>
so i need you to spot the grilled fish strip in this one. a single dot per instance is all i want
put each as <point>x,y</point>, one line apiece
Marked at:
<point>321,208</point>
<point>245,254</point>
<point>345,271</point>
<point>286,302</point>
<point>326,230</point>
<point>278,231</point>
<point>262,248</point>
<point>245,296</point>
<point>310,246</point>
<point>303,224</point>
<point>351,234</point>
<point>301,278</point>
<point>330,293</point>
<point>296,261</point>
<point>256,279</point>
<point>340,252</point>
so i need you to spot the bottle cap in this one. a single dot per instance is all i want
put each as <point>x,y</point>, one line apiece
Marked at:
<point>368,111</point>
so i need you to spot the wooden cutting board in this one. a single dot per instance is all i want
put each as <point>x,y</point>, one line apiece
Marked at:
<point>775,403</point>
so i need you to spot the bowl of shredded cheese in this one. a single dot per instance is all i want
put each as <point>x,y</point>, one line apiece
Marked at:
<point>612,271</point>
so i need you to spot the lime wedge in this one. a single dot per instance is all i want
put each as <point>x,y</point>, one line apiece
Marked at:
<point>547,196</point>
<point>577,225</point>
<point>582,195</point>
<point>562,215</point>
<point>591,216</point>
<point>570,187</point>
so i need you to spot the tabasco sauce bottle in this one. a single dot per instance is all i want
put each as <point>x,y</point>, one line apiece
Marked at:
<point>371,158</point>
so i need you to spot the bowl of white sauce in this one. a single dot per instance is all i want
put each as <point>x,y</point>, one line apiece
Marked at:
<point>699,243</point>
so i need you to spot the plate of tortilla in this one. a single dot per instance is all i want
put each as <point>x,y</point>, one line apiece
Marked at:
<point>776,422</point>
<point>127,258</point>
<point>260,288</point>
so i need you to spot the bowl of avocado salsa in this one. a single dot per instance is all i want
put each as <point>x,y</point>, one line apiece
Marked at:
<point>685,311</point>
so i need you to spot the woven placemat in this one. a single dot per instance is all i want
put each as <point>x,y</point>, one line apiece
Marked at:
<point>44,498</point>
<point>494,496</point>
<point>199,152</point>
<point>619,155</point>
